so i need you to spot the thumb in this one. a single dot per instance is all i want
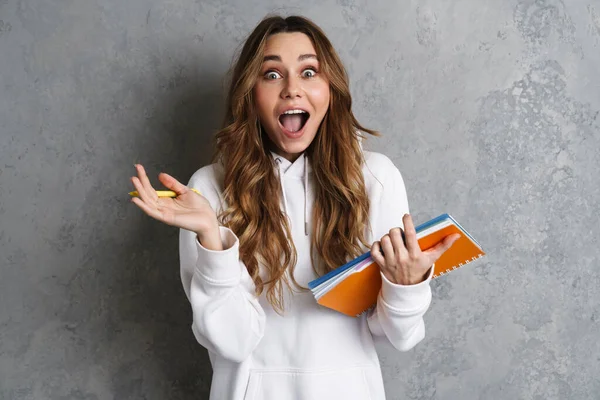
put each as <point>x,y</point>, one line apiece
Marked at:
<point>439,249</point>
<point>172,183</point>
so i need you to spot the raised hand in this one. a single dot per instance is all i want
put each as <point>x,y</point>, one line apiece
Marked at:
<point>188,210</point>
<point>406,264</point>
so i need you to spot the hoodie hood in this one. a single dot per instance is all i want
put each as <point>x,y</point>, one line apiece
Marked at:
<point>300,168</point>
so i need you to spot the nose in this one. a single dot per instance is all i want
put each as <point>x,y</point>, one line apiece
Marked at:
<point>292,88</point>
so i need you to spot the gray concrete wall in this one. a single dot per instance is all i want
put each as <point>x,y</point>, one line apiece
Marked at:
<point>489,108</point>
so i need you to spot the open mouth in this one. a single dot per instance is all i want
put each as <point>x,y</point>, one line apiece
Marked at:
<point>294,120</point>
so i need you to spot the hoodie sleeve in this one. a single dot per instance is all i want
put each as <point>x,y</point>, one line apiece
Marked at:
<point>227,317</point>
<point>398,315</point>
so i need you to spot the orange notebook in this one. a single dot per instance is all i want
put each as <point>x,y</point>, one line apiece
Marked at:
<point>353,288</point>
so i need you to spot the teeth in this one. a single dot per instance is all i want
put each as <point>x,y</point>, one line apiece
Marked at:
<point>295,112</point>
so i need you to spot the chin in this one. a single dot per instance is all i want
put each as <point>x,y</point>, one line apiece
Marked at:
<point>295,149</point>
<point>292,143</point>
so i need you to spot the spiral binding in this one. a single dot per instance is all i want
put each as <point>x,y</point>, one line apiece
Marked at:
<point>459,265</point>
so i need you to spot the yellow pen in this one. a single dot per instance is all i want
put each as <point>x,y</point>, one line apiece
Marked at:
<point>162,193</point>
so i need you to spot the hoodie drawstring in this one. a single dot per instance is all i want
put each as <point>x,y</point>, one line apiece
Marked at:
<point>305,196</point>
<point>280,173</point>
<point>285,204</point>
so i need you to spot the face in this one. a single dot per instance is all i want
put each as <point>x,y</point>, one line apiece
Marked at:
<point>291,95</point>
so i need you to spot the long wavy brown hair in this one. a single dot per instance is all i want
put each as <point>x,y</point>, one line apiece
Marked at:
<point>252,191</point>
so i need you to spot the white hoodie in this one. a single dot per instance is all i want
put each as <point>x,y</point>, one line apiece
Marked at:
<point>311,352</point>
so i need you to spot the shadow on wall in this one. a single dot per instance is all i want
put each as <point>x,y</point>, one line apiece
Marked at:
<point>168,363</point>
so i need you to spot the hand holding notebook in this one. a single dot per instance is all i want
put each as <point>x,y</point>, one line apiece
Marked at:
<point>353,288</point>
<point>400,258</point>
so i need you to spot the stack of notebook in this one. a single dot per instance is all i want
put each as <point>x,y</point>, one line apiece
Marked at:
<point>353,288</point>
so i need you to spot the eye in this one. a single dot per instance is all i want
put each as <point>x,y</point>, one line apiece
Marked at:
<point>309,72</point>
<point>270,75</point>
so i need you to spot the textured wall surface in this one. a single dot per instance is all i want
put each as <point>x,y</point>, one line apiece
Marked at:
<point>489,108</point>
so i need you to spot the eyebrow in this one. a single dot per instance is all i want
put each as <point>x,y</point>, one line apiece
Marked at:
<point>301,57</point>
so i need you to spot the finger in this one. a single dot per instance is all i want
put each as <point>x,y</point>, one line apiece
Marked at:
<point>153,212</point>
<point>388,250</point>
<point>172,183</point>
<point>143,177</point>
<point>141,190</point>
<point>376,254</point>
<point>436,251</point>
<point>410,235</point>
<point>397,237</point>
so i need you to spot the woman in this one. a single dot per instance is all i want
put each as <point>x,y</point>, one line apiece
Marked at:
<point>291,196</point>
